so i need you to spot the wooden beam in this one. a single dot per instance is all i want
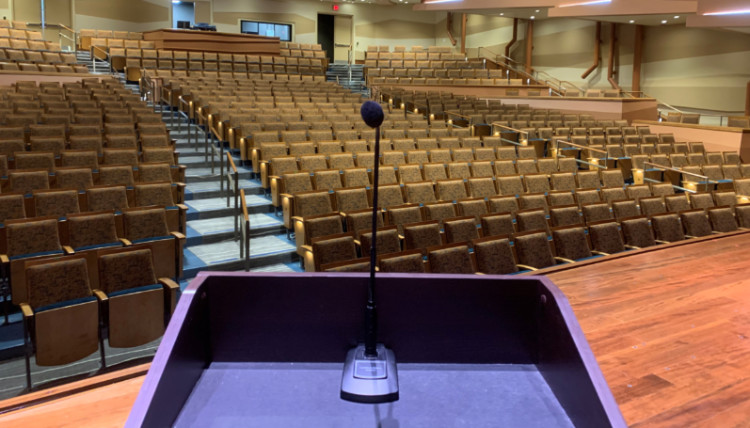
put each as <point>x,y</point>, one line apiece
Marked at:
<point>611,62</point>
<point>597,51</point>
<point>511,42</point>
<point>529,44</point>
<point>637,58</point>
<point>463,32</point>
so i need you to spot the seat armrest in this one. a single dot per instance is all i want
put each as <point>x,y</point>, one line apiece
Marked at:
<point>599,253</point>
<point>690,236</point>
<point>632,247</point>
<point>26,310</point>
<point>526,267</point>
<point>100,295</point>
<point>169,283</point>
<point>68,249</point>
<point>125,242</point>
<point>564,260</point>
<point>177,235</point>
<point>182,206</point>
<point>4,259</point>
<point>659,241</point>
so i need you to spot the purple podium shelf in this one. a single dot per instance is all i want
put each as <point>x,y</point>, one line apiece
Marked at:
<point>267,350</point>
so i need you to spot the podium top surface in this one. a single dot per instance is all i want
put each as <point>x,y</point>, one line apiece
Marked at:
<point>274,335</point>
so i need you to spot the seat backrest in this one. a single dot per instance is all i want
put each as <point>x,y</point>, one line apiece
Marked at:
<point>637,232</point>
<point>571,243</point>
<point>722,219</point>
<point>57,203</point>
<point>91,229</point>
<point>12,207</point>
<point>56,282</point>
<point>28,181</point>
<point>146,223</point>
<point>565,215</point>
<point>105,198</point>
<point>154,194</point>
<point>124,270</point>
<point>460,229</point>
<point>667,227</point>
<point>351,199</point>
<point>422,235</point>
<point>26,237</point>
<point>695,223</point>
<point>388,240</point>
<point>533,249</point>
<point>331,249</point>
<point>454,258</point>
<point>494,255</point>
<point>405,261</point>
<point>606,237</point>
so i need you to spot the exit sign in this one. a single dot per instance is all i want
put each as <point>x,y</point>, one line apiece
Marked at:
<point>335,8</point>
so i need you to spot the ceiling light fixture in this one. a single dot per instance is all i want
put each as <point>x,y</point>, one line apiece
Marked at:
<point>631,21</point>
<point>585,3</point>
<point>532,17</point>
<point>663,21</point>
<point>677,17</point>
<point>728,12</point>
<point>537,11</point>
<point>501,13</point>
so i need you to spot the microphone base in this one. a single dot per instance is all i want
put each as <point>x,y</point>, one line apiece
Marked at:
<point>370,379</point>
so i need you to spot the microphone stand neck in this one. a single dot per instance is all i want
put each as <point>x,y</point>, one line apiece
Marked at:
<point>371,317</point>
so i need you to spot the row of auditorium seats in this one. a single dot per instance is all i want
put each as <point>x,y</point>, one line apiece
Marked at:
<point>48,238</point>
<point>86,35</point>
<point>137,59</point>
<point>533,243</point>
<point>75,302</point>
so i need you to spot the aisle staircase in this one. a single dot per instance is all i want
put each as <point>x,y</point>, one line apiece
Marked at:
<point>339,72</point>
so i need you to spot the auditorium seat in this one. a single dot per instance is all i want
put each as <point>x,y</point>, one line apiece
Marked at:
<point>605,237</point>
<point>450,258</point>
<point>494,255</point>
<point>137,306</point>
<point>409,261</point>
<point>695,222</point>
<point>533,250</point>
<point>571,243</point>
<point>722,219</point>
<point>60,314</point>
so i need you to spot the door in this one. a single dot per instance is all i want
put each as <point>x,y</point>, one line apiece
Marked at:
<point>342,37</point>
<point>325,34</point>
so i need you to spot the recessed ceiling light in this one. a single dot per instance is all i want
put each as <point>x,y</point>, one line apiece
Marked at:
<point>501,13</point>
<point>677,17</point>
<point>663,21</point>
<point>532,17</point>
<point>631,21</point>
<point>537,11</point>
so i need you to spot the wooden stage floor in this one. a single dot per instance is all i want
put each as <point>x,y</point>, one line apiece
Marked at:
<point>669,327</point>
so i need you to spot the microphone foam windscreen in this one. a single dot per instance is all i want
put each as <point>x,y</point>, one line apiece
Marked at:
<point>372,114</point>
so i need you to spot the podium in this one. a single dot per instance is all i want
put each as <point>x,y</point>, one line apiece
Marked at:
<point>267,350</point>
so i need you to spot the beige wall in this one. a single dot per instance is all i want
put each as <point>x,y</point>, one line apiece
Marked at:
<point>697,67</point>
<point>6,9</point>
<point>26,10</point>
<point>122,15</point>
<point>373,24</point>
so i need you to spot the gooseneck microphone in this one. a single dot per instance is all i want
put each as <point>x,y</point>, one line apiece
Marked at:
<point>370,369</point>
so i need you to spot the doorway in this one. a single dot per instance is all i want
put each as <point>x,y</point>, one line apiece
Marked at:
<point>335,36</point>
<point>183,14</point>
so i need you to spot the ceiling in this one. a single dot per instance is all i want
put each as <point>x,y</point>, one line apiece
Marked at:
<point>733,14</point>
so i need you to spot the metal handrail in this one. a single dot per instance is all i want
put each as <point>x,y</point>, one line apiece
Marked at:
<point>523,135</point>
<point>233,184</point>
<point>211,134</point>
<point>592,161</point>
<point>702,178</point>
<point>244,231</point>
<point>93,57</point>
